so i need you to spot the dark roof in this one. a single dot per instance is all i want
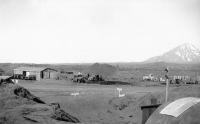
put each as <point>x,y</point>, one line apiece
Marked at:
<point>50,69</point>
<point>38,69</point>
<point>30,68</point>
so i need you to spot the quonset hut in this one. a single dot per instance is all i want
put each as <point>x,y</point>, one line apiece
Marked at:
<point>34,73</point>
<point>181,111</point>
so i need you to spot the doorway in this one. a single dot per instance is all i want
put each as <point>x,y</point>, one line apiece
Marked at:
<point>147,111</point>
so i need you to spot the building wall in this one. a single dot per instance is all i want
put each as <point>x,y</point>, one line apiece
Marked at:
<point>38,76</point>
<point>53,75</point>
<point>45,74</point>
<point>28,73</point>
<point>49,74</point>
<point>18,72</point>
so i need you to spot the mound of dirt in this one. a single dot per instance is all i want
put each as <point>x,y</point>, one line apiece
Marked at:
<point>22,92</point>
<point>19,106</point>
<point>129,107</point>
<point>104,70</point>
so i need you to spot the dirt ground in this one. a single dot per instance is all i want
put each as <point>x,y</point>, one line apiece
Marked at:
<point>19,106</point>
<point>95,103</point>
<point>100,104</point>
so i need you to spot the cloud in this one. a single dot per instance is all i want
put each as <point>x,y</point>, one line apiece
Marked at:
<point>96,30</point>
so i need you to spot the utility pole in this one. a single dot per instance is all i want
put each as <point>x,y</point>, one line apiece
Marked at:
<point>167,83</point>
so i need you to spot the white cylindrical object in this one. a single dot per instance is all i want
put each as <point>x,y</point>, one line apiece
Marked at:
<point>167,90</point>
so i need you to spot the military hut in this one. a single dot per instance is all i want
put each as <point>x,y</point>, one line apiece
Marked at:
<point>181,111</point>
<point>34,73</point>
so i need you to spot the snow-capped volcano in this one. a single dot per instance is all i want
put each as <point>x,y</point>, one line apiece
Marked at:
<point>181,54</point>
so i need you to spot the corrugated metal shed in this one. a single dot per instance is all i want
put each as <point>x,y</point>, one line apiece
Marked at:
<point>38,69</point>
<point>37,72</point>
<point>49,73</point>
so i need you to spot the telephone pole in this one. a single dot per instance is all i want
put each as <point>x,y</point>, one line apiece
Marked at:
<point>167,84</point>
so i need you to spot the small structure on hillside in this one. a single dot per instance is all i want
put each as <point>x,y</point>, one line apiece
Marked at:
<point>150,77</point>
<point>181,111</point>
<point>185,80</point>
<point>182,77</point>
<point>34,73</point>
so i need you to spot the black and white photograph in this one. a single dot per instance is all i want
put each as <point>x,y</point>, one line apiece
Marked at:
<point>100,62</point>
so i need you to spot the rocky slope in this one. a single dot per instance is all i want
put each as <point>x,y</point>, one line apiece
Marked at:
<point>19,106</point>
<point>185,53</point>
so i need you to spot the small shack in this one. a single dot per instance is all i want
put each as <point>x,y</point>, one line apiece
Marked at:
<point>34,73</point>
<point>181,111</point>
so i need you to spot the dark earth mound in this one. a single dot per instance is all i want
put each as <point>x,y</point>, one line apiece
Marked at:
<point>112,83</point>
<point>19,106</point>
<point>104,70</point>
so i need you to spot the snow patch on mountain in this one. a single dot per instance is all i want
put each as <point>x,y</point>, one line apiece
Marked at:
<point>178,53</point>
<point>182,47</point>
<point>183,53</point>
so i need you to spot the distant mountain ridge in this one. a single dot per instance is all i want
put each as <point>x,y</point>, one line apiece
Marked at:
<point>185,53</point>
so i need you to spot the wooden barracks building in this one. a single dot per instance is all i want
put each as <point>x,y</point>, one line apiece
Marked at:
<point>34,73</point>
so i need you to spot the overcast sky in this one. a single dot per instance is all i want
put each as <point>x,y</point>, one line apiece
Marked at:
<point>67,31</point>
